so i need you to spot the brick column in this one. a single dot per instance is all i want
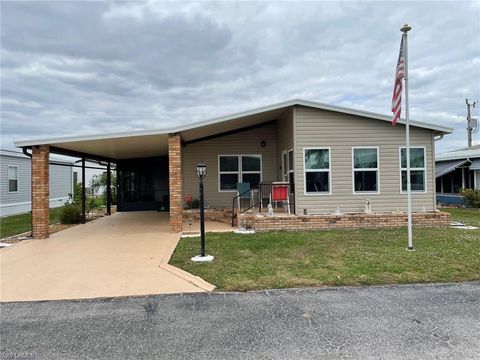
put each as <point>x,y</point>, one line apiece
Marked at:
<point>40,192</point>
<point>175,181</point>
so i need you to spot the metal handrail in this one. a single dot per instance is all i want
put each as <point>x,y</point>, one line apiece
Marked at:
<point>257,202</point>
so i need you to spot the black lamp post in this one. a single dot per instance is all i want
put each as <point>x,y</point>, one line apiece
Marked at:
<point>201,173</point>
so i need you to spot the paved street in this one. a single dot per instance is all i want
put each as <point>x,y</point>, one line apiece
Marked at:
<point>407,322</point>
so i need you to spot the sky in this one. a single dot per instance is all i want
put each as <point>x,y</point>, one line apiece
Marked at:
<point>74,68</point>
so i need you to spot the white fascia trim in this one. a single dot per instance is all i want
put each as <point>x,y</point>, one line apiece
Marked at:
<point>53,141</point>
<point>277,106</point>
<point>316,105</point>
<point>372,115</point>
<point>443,157</point>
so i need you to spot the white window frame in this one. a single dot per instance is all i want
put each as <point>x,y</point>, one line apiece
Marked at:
<point>286,166</point>
<point>8,178</point>
<point>239,172</point>
<point>425,167</point>
<point>329,170</point>
<point>377,169</point>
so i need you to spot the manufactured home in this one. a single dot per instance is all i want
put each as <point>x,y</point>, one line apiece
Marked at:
<point>16,183</point>
<point>456,170</point>
<point>333,160</point>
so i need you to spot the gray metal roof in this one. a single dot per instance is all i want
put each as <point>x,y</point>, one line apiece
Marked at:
<point>471,152</point>
<point>258,111</point>
<point>445,167</point>
<point>475,165</point>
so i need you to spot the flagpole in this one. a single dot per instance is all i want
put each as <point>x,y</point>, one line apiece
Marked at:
<point>406,29</point>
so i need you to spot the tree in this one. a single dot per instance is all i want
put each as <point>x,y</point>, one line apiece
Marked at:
<point>99,182</point>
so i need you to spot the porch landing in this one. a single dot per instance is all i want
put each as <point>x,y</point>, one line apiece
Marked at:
<point>124,254</point>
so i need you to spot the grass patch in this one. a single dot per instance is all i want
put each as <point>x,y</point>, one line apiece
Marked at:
<point>17,224</point>
<point>467,216</point>
<point>336,257</point>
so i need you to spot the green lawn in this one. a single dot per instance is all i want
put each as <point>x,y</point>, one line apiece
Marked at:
<point>17,224</point>
<point>337,257</point>
<point>466,216</point>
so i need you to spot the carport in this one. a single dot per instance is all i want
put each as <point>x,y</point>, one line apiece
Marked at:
<point>145,162</point>
<point>134,152</point>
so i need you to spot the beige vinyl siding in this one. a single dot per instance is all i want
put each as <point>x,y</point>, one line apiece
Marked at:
<point>341,132</point>
<point>245,142</point>
<point>284,138</point>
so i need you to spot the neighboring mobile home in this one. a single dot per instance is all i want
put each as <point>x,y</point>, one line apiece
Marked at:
<point>333,157</point>
<point>16,188</point>
<point>456,170</point>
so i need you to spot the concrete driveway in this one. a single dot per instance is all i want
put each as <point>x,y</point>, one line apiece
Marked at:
<point>120,255</point>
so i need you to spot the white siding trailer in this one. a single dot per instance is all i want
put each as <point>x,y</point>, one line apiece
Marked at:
<point>15,183</point>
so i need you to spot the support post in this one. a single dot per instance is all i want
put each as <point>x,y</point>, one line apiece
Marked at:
<point>40,191</point>
<point>175,181</point>
<point>84,195</point>
<point>109,190</point>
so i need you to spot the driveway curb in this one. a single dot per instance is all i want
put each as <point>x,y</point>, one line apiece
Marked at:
<point>192,279</point>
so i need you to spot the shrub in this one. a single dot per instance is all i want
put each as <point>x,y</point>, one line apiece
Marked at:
<point>471,197</point>
<point>76,197</point>
<point>94,203</point>
<point>194,204</point>
<point>71,214</point>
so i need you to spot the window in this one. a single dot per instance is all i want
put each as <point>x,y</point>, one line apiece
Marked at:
<point>239,168</point>
<point>317,170</point>
<point>291,172</point>
<point>12,178</point>
<point>365,170</point>
<point>417,168</point>
<point>287,168</point>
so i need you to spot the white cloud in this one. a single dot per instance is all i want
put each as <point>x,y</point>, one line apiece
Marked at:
<point>95,67</point>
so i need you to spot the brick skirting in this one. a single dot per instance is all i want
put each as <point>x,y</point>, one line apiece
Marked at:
<point>285,222</point>
<point>222,215</point>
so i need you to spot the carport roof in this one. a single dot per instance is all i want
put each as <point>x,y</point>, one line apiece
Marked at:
<point>155,142</point>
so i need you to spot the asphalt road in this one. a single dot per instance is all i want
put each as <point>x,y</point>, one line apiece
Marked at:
<point>394,322</point>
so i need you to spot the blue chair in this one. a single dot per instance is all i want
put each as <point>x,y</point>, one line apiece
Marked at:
<point>244,192</point>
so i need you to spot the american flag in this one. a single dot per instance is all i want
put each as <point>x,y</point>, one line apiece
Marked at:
<point>397,89</point>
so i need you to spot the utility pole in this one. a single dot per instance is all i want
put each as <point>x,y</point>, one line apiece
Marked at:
<point>470,124</point>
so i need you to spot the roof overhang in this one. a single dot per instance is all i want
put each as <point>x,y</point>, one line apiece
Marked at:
<point>445,167</point>
<point>155,143</point>
<point>475,165</point>
<point>113,147</point>
<point>312,104</point>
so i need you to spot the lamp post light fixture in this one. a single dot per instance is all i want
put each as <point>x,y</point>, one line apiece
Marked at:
<point>201,173</point>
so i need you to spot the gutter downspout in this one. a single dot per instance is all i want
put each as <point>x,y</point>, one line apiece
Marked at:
<point>26,153</point>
